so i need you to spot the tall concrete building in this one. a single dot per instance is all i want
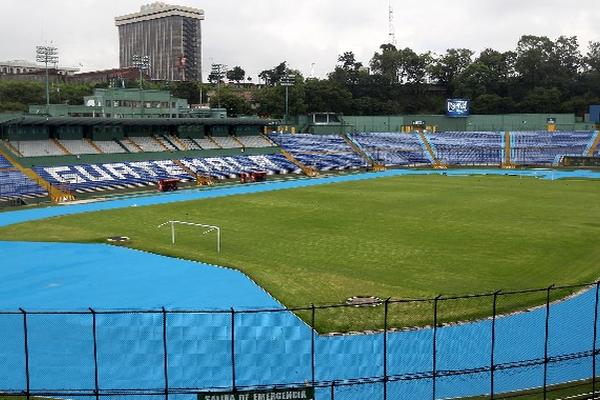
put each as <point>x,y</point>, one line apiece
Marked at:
<point>169,35</point>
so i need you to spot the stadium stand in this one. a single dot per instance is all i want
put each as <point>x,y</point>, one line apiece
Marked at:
<point>226,142</point>
<point>321,152</point>
<point>190,144</point>
<point>392,148</point>
<point>467,148</point>
<point>166,143</point>
<point>542,148</point>
<point>78,146</point>
<point>110,146</point>
<point>37,148</point>
<point>301,153</point>
<point>255,141</point>
<point>147,143</point>
<point>100,177</point>
<point>15,185</point>
<point>207,143</point>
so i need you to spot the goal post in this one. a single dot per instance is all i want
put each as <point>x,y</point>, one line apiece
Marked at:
<point>211,228</point>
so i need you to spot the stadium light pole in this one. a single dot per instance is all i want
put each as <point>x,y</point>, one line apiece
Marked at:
<point>287,81</point>
<point>47,55</point>
<point>142,63</point>
<point>218,71</point>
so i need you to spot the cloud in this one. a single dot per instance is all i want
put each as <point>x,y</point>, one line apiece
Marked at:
<point>259,34</point>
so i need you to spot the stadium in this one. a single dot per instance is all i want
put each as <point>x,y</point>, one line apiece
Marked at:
<point>411,264</point>
<point>422,224</point>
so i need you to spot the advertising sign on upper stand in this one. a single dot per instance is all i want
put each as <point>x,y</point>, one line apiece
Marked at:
<point>458,108</point>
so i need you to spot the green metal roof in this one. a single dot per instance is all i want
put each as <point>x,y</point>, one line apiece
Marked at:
<point>87,121</point>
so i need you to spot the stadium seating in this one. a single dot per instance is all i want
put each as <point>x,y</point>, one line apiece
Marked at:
<point>543,148</point>
<point>207,144</point>
<point>99,177</point>
<point>255,141</point>
<point>190,144</point>
<point>78,146</point>
<point>37,148</point>
<point>147,143</point>
<point>167,142</point>
<point>467,148</point>
<point>14,184</point>
<point>227,142</point>
<point>322,152</point>
<point>109,146</point>
<point>391,148</point>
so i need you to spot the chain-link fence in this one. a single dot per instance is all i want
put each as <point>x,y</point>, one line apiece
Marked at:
<point>519,344</point>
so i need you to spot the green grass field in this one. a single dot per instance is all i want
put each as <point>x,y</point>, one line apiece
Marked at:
<point>401,237</point>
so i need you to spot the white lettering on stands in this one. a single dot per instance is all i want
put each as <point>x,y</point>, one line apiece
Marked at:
<point>170,167</point>
<point>120,170</point>
<point>55,172</point>
<point>264,162</point>
<point>145,166</point>
<point>103,176</point>
<point>195,164</point>
<point>219,164</point>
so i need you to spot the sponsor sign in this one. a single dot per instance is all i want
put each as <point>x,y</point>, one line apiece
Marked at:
<point>305,393</point>
<point>457,108</point>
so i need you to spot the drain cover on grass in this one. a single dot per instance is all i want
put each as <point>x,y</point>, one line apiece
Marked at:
<point>364,301</point>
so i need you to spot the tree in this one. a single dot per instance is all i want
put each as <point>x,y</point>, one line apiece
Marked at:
<point>386,63</point>
<point>236,74</point>
<point>347,72</point>
<point>234,103</point>
<point>446,67</point>
<point>533,63</point>
<point>274,75</point>
<point>592,58</point>
<point>186,90</point>
<point>325,95</point>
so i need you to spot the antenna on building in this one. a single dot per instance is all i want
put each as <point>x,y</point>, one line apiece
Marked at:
<point>391,29</point>
<point>312,70</point>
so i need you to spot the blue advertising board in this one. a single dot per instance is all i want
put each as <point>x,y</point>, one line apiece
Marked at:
<point>458,108</point>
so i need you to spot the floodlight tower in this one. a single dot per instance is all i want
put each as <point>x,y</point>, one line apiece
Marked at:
<point>47,55</point>
<point>218,72</point>
<point>287,80</point>
<point>142,63</point>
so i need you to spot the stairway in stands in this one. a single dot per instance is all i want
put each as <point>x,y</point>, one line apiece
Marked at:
<point>375,166</point>
<point>56,195</point>
<point>436,162</point>
<point>594,146</point>
<point>507,162</point>
<point>308,171</point>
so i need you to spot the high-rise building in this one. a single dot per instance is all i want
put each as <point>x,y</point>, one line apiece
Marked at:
<point>170,36</point>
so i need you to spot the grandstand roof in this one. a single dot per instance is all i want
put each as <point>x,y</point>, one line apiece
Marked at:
<point>86,121</point>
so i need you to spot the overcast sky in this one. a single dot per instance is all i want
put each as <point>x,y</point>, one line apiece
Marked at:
<point>259,34</point>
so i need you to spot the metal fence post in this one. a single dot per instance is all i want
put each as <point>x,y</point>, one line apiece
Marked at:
<point>165,353</point>
<point>26,343</point>
<point>233,349</point>
<point>493,345</point>
<point>546,336</point>
<point>332,390</point>
<point>95,338</point>
<point>312,346</point>
<point>385,345</point>
<point>595,339</point>
<point>434,347</point>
